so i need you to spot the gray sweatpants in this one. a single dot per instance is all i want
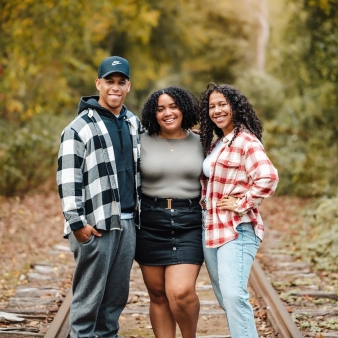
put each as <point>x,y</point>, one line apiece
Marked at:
<point>101,281</point>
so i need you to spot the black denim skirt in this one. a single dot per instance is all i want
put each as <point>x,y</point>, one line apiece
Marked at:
<point>169,236</point>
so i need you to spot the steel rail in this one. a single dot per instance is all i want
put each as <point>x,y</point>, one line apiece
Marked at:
<point>60,327</point>
<point>276,311</point>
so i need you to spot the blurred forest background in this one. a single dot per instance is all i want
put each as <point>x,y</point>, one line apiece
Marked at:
<point>283,54</point>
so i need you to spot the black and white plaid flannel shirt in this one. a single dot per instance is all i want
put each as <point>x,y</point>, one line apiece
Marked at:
<point>87,175</point>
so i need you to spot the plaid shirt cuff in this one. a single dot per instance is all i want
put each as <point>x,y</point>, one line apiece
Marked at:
<point>236,205</point>
<point>77,223</point>
<point>242,205</point>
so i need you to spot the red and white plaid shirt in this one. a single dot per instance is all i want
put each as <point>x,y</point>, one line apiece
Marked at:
<point>244,171</point>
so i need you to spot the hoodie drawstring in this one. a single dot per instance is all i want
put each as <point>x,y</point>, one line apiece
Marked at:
<point>119,128</point>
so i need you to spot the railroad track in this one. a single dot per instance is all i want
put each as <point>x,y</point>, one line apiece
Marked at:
<point>60,327</point>
<point>38,300</point>
<point>310,298</point>
<point>276,311</point>
<point>39,314</point>
<point>281,320</point>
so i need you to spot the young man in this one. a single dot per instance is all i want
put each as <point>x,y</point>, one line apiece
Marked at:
<point>99,186</point>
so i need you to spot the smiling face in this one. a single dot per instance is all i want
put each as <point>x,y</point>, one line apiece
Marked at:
<point>220,112</point>
<point>169,116</point>
<point>113,90</point>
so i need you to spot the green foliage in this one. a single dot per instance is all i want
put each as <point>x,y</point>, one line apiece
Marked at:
<point>28,153</point>
<point>301,144</point>
<point>318,242</point>
<point>264,92</point>
<point>302,138</point>
<point>189,45</point>
<point>36,53</point>
<point>322,22</point>
<point>50,52</point>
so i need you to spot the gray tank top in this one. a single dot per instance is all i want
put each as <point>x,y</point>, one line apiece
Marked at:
<point>171,168</point>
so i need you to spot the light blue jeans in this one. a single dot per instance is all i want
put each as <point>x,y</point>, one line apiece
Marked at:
<point>229,268</point>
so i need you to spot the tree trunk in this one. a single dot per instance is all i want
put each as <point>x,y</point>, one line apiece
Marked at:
<point>263,33</point>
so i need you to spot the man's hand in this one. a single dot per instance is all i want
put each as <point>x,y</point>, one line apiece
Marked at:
<point>227,203</point>
<point>83,234</point>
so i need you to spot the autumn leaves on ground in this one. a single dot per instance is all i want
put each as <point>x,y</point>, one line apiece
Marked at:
<point>29,227</point>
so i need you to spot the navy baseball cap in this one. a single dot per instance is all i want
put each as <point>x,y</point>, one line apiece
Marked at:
<point>114,64</point>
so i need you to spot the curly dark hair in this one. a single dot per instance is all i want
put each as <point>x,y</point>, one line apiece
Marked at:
<point>186,101</point>
<point>243,115</point>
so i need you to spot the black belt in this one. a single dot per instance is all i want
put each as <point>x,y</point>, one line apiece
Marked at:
<point>170,203</point>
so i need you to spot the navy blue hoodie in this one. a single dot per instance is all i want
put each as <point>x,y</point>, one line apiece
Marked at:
<point>118,131</point>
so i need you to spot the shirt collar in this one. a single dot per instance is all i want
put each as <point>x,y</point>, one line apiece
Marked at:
<point>228,137</point>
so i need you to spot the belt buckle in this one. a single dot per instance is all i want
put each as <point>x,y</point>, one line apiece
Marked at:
<point>169,203</point>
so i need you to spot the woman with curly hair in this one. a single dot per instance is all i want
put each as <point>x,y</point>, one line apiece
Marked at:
<point>169,239</point>
<point>237,176</point>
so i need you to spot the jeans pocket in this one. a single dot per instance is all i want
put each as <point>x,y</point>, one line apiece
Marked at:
<point>88,240</point>
<point>146,207</point>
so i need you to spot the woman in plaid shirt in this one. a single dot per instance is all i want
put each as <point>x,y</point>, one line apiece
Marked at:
<point>237,176</point>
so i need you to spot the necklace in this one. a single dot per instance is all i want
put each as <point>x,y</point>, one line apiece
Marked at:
<point>171,146</point>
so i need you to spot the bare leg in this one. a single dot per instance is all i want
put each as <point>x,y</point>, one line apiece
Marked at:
<point>161,318</point>
<point>180,281</point>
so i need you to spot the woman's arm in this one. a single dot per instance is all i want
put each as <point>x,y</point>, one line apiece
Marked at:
<point>264,177</point>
